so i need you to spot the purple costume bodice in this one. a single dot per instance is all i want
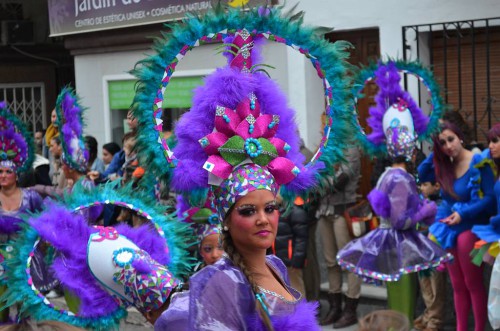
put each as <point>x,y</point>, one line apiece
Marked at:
<point>395,247</point>
<point>221,298</point>
<point>30,202</point>
<point>10,222</point>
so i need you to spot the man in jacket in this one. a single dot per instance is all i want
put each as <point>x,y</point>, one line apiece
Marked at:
<point>335,235</point>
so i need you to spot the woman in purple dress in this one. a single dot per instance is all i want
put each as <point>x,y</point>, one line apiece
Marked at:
<point>16,156</point>
<point>244,136</point>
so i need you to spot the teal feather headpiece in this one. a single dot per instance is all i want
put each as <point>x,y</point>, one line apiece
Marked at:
<point>368,73</point>
<point>154,74</point>
<point>34,304</point>
<point>70,121</point>
<point>17,147</point>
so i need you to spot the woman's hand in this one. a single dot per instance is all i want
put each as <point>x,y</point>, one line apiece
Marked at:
<point>453,219</point>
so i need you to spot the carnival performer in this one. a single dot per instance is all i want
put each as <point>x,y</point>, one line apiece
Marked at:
<point>104,269</point>
<point>467,182</point>
<point>125,265</point>
<point>239,139</point>
<point>490,233</point>
<point>395,250</point>
<point>205,224</point>
<point>16,156</point>
<point>75,156</point>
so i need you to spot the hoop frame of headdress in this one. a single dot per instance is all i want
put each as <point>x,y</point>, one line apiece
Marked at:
<point>20,128</point>
<point>34,303</point>
<point>424,75</point>
<point>70,113</point>
<point>155,73</point>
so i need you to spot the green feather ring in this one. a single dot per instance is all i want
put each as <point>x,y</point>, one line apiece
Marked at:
<point>33,303</point>
<point>154,74</point>
<point>424,75</point>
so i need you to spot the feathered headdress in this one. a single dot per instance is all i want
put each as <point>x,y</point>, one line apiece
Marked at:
<point>107,269</point>
<point>70,120</point>
<point>16,143</point>
<point>203,220</point>
<point>397,122</point>
<point>240,125</point>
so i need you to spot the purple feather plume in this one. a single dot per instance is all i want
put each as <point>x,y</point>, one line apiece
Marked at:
<point>9,224</point>
<point>69,235</point>
<point>227,87</point>
<point>141,266</point>
<point>72,128</point>
<point>387,78</point>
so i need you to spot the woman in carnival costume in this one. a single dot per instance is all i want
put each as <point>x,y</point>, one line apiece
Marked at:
<point>16,157</point>
<point>239,139</point>
<point>395,250</point>
<point>467,182</point>
<point>105,269</point>
<point>488,248</point>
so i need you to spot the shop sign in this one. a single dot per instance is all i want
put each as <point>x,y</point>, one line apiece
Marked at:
<point>178,93</point>
<point>78,16</point>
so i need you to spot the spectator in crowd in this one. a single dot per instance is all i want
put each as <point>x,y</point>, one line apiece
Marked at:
<point>95,163</point>
<point>108,152</point>
<point>433,285</point>
<point>39,172</point>
<point>335,235</point>
<point>291,242</point>
<point>58,179</point>
<point>51,132</point>
<point>115,168</point>
<point>311,272</point>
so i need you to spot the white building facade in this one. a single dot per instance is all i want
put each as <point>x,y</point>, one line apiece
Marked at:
<point>95,71</point>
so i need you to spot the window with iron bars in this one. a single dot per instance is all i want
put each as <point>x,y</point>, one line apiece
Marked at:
<point>465,58</point>
<point>27,101</point>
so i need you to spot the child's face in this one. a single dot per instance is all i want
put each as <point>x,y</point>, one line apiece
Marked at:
<point>128,146</point>
<point>429,189</point>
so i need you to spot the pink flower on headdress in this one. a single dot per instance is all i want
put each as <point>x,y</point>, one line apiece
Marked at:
<point>244,134</point>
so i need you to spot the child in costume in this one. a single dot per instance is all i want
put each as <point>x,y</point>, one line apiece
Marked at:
<point>466,181</point>
<point>205,224</point>
<point>16,157</point>
<point>395,250</point>
<point>239,139</point>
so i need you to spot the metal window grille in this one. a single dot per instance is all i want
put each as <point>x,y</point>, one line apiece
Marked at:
<point>27,101</point>
<point>465,57</point>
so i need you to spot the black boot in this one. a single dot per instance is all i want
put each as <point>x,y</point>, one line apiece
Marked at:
<point>335,311</point>
<point>349,316</point>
